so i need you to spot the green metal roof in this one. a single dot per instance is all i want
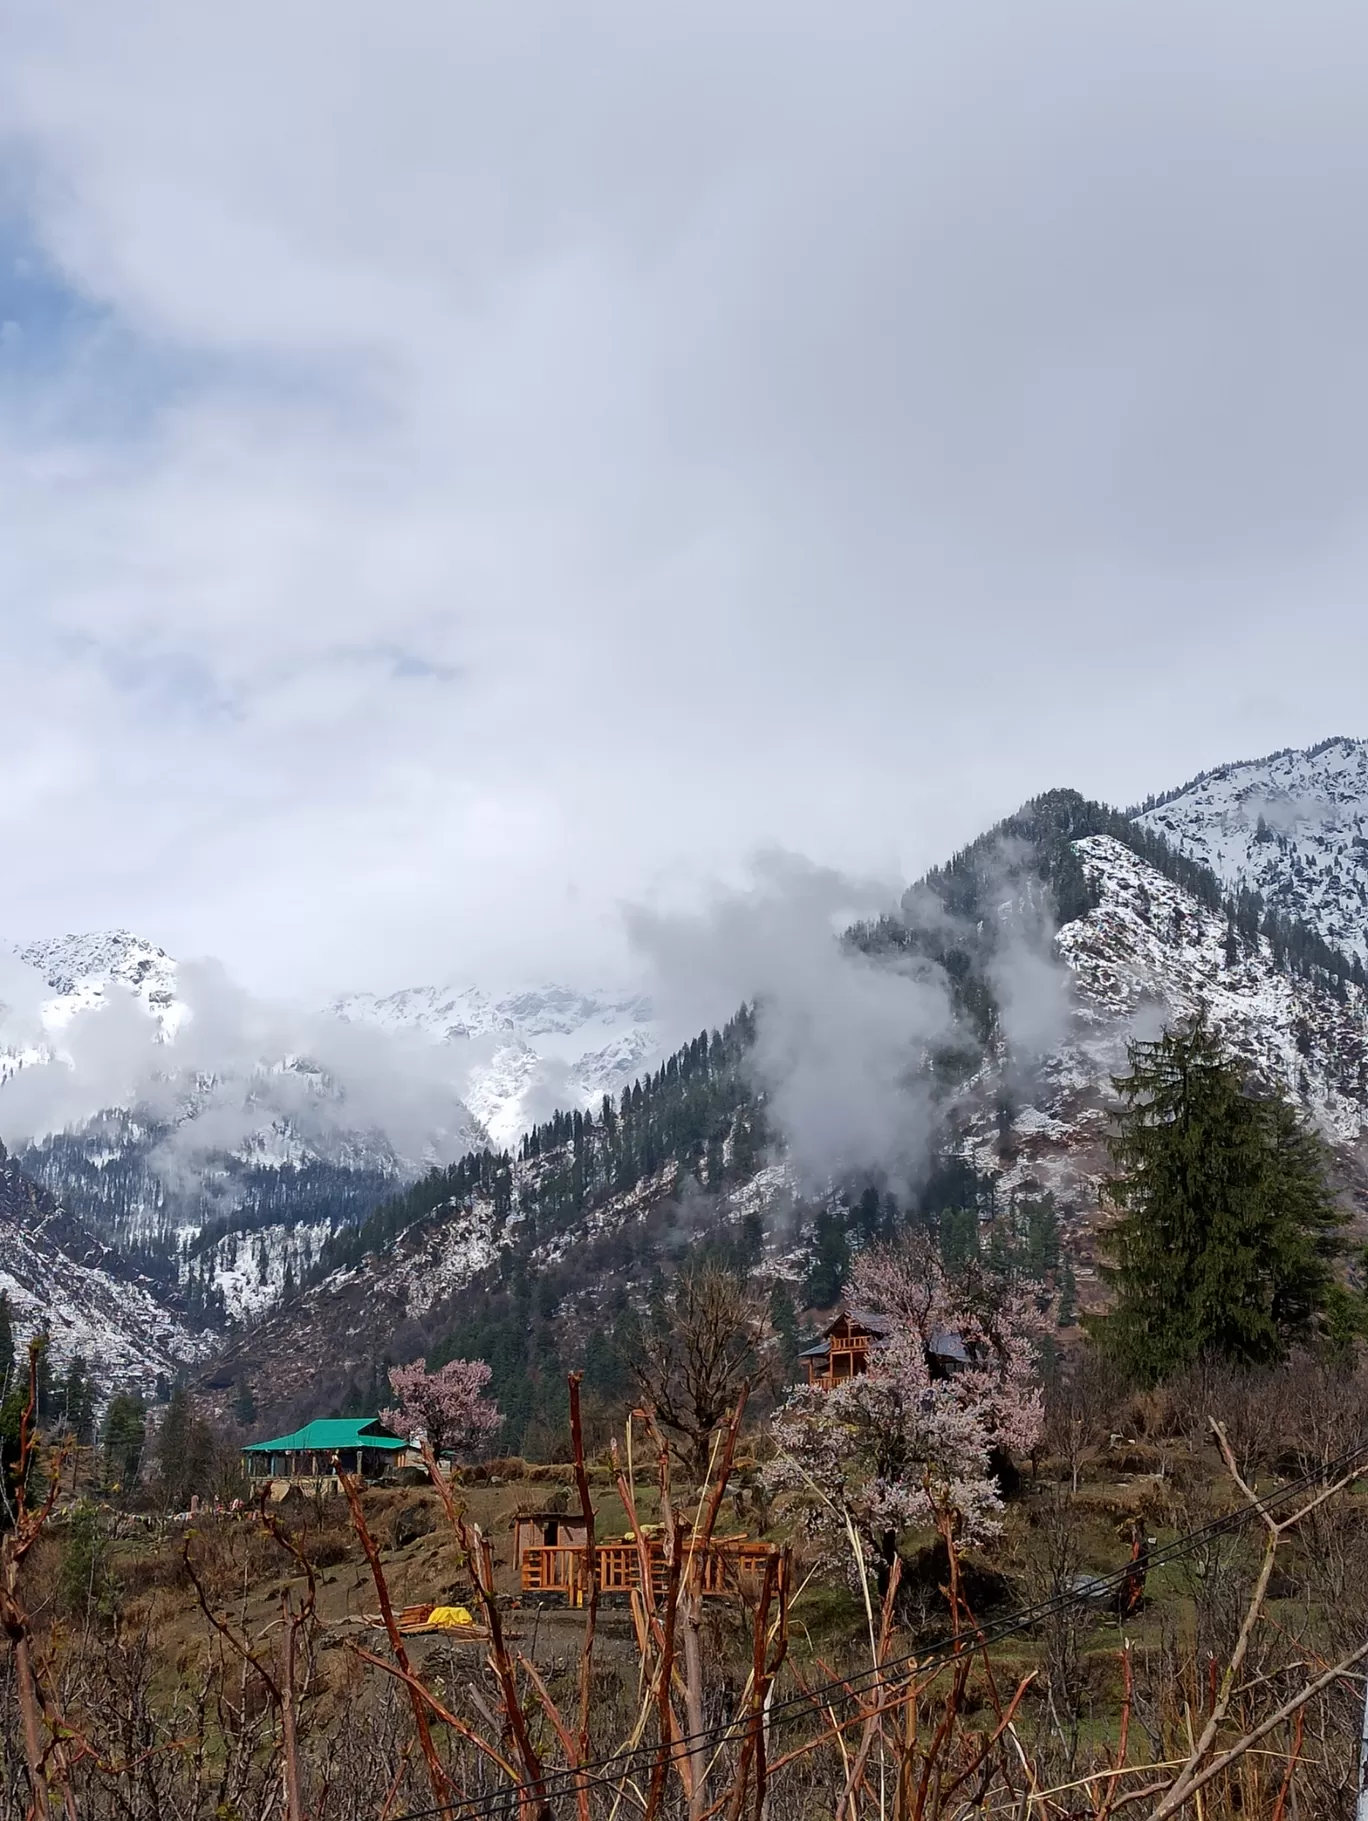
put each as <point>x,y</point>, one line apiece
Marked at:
<point>328,1433</point>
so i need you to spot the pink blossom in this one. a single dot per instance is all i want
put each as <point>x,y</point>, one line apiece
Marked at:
<point>907,1445</point>
<point>447,1406</point>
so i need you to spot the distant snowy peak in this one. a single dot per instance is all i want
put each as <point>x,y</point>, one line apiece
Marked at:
<point>445,1012</point>
<point>1293,826</point>
<point>531,1051</point>
<point>80,970</point>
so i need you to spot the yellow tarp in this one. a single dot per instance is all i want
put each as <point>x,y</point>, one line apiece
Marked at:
<point>449,1615</point>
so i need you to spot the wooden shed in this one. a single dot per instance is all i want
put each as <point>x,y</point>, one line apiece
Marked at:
<point>547,1530</point>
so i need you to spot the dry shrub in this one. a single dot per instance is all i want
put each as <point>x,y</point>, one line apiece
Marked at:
<point>507,1467</point>
<point>330,1547</point>
<point>1156,1414</point>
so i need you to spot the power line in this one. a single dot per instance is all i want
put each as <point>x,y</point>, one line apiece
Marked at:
<point>1099,1588</point>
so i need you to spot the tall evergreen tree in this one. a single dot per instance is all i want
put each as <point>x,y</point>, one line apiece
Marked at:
<point>6,1345</point>
<point>244,1402</point>
<point>125,1433</point>
<point>1227,1229</point>
<point>74,1397</point>
<point>173,1445</point>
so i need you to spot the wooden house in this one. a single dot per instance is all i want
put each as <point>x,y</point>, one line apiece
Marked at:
<point>310,1457</point>
<point>854,1336</point>
<point>843,1351</point>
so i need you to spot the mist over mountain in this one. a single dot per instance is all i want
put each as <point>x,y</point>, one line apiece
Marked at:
<point>302,1194</point>
<point>524,1052</point>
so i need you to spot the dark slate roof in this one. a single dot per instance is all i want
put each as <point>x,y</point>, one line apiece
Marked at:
<point>946,1345</point>
<point>943,1344</point>
<point>866,1318</point>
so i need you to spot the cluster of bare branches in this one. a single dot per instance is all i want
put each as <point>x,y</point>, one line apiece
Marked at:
<point>710,1716</point>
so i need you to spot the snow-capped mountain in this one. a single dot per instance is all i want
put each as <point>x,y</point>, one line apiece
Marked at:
<point>83,970</point>
<point>1145,951</point>
<point>526,1052</point>
<point>1146,939</point>
<point>167,1106</point>
<point>1293,827</point>
<point>445,1012</point>
<point>59,1276</point>
<point>160,1101</point>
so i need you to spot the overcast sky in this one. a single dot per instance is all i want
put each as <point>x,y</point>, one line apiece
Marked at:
<point>464,468</point>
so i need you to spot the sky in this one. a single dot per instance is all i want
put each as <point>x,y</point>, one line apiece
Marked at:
<point>471,477</point>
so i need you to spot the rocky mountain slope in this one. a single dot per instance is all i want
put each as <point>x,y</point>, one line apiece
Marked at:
<point>1150,941</point>
<point>1189,903</point>
<point>223,1161</point>
<point>57,1274</point>
<point>1293,827</point>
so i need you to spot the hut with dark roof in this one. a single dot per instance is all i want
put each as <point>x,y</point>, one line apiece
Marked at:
<point>854,1336</point>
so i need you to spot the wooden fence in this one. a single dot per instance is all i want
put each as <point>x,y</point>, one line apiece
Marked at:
<point>728,1567</point>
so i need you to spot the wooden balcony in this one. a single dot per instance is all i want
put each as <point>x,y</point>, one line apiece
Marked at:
<point>843,1362</point>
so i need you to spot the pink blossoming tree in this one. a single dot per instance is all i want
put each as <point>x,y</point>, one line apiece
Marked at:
<point>911,1444</point>
<point>447,1406</point>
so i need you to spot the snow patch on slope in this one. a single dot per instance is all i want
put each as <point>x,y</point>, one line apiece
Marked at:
<point>1148,955</point>
<point>1293,827</point>
<point>1150,952</point>
<point>526,1053</point>
<point>59,1277</point>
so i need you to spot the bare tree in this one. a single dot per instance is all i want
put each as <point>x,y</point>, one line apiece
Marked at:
<point>704,1339</point>
<point>1079,1406</point>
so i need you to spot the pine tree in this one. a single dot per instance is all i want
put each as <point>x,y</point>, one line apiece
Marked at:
<point>1066,1312</point>
<point>244,1403</point>
<point>74,1396</point>
<point>125,1433</point>
<point>1042,1238</point>
<point>1227,1229</point>
<point>829,1259</point>
<point>173,1443</point>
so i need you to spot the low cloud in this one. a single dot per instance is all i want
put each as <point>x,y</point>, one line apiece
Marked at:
<point>236,1068</point>
<point>841,1039</point>
<point>844,1039</point>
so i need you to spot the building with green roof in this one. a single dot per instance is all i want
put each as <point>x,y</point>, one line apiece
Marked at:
<point>360,1445</point>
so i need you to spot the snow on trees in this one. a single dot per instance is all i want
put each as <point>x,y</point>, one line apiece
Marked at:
<point>447,1406</point>
<point>914,1442</point>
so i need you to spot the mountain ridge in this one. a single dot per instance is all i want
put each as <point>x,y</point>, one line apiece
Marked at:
<point>1152,935</point>
<point>1146,930</point>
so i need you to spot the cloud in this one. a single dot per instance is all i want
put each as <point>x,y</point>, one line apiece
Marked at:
<point>841,1039</point>
<point>845,1038</point>
<point>240,1071</point>
<point>463,467</point>
<point>1032,987</point>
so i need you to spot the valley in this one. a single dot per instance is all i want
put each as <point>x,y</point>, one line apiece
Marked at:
<point>270,1240</point>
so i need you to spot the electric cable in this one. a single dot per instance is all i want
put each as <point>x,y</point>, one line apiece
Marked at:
<point>992,1631</point>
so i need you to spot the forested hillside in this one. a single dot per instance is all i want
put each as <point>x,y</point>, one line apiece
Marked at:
<point>558,1243</point>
